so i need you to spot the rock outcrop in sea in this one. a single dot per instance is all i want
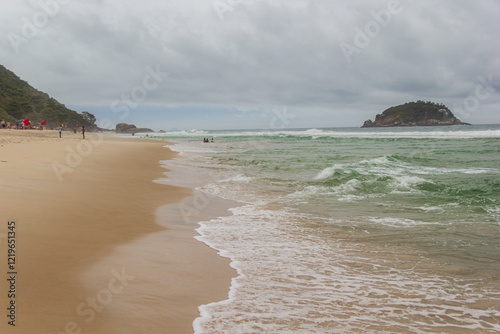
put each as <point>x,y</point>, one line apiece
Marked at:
<point>418,113</point>
<point>130,128</point>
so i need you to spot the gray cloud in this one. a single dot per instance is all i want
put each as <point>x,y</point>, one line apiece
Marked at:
<point>260,53</point>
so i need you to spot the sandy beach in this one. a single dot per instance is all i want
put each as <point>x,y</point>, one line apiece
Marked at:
<point>91,254</point>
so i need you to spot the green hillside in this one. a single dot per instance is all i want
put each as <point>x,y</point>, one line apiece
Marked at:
<point>18,100</point>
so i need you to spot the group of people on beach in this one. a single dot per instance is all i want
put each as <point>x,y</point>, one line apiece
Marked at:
<point>18,126</point>
<point>206,140</point>
<point>22,126</point>
<point>4,124</point>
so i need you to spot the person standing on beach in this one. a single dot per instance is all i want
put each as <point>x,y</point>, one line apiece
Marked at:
<point>83,132</point>
<point>60,131</point>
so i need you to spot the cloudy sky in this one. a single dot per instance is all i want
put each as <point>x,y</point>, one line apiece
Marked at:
<point>204,64</point>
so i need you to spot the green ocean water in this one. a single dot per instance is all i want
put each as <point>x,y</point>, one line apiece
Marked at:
<point>363,216</point>
<point>440,195</point>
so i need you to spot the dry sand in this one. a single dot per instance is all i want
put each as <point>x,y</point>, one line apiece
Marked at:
<point>90,254</point>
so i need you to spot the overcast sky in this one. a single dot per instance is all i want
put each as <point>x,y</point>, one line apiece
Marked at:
<point>203,64</point>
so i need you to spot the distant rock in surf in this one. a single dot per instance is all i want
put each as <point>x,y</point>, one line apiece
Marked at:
<point>418,113</point>
<point>130,128</point>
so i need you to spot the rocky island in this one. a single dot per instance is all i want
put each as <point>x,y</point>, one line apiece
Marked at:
<point>418,113</point>
<point>131,128</point>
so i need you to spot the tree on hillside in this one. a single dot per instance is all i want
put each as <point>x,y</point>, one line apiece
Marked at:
<point>89,119</point>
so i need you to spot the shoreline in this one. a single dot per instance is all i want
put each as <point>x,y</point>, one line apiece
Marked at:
<point>93,252</point>
<point>185,218</point>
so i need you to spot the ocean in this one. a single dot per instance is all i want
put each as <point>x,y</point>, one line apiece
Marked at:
<point>352,230</point>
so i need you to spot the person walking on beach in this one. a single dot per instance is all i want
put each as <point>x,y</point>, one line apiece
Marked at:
<point>83,132</point>
<point>60,131</point>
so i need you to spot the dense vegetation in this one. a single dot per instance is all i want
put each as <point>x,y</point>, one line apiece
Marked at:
<point>18,100</point>
<point>418,113</point>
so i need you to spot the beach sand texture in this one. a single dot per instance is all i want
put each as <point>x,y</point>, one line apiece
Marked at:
<point>90,254</point>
